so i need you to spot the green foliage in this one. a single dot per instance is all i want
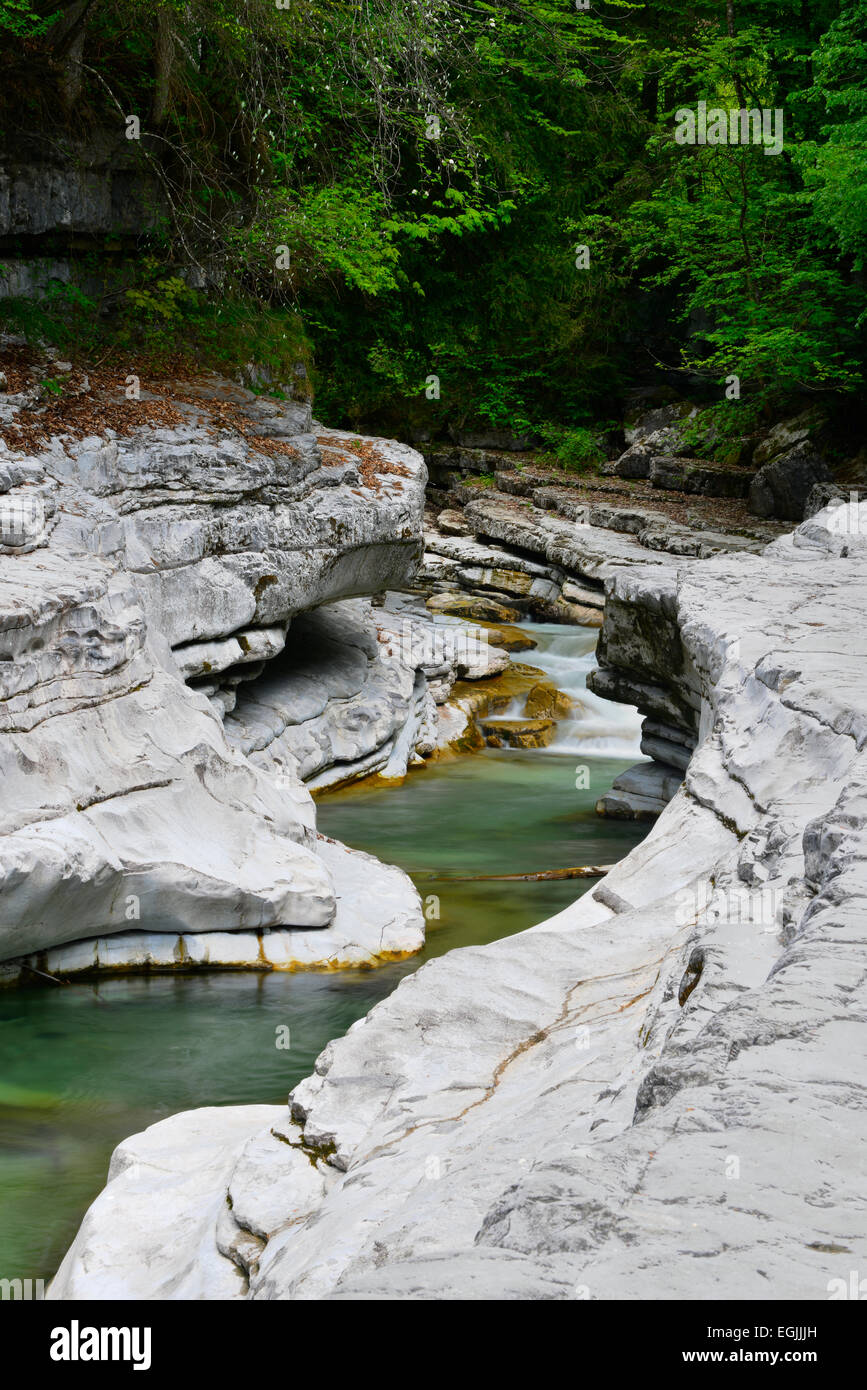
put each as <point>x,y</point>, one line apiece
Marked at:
<point>835,167</point>
<point>20,20</point>
<point>234,332</point>
<point>160,299</point>
<point>63,317</point>
<point>576,450</point>
<point>432,169</point>
<point>736,242</point>
<point>722,431</point>
<point>161,322</point>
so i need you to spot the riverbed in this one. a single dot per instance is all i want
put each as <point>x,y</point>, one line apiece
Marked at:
<point>84,1065</point>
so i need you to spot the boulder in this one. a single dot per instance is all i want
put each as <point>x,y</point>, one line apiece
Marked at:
<point>378,919</point>
<point>514,481</point>
<point>640,793</point>
<point>782,486</point>
<point>634,462</point>
<point>698,476</point>
<point>787,434</point>
<point>631,520</point>
<point>562,500</point>
<point>650,423</point>
<point>452,523</point>
<point>518,733</point>
<point>821,495</point>
<point>510,639</point>
<point>473,606</point>
<point>545,701</point>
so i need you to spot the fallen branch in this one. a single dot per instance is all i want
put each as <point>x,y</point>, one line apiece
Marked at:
<point>44,973</point>
<point>586,871</point>
<point>57,981</point>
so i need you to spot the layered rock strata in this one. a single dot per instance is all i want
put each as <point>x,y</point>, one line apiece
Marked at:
<point>558,561</point>
<point>147,577</point>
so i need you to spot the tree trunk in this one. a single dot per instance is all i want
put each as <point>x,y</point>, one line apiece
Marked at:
<point>164,62</point>
<point>67,39</point>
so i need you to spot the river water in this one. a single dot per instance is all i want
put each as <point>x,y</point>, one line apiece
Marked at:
<point>84,1065</point>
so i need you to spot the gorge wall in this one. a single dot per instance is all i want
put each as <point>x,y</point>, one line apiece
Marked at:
<point>666,1077</point>
<point>157,733</point>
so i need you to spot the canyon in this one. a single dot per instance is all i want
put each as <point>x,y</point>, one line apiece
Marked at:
<point>663,1074</point>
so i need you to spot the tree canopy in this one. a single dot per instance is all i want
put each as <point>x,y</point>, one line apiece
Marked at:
<point>492,192</point>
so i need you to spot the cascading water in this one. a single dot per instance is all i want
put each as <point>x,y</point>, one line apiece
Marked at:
<point>597,728</point>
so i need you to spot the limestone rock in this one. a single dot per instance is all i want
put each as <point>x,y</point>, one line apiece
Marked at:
<point>698,476</point>
<point>822,495</point>
<point>603,1107</point>
<point>647,424</point>
<point>452,523</point>
<point>518,733</point>
<point>545,701</point>
<point>477,607</point>
<point>377,918</point>
<point>89,187</point>
<point>788,434</point>
<point>562,500</point>
<point>167,554</point>
<point>634,462</point>
<point>641,793</point>
<point>510,639</point>
<point>170,1184</point>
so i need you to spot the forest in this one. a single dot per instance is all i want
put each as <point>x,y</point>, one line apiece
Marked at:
<point>534,205</point>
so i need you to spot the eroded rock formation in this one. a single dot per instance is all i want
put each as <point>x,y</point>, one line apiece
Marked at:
<point>149,576</point>
<point>665,1078</point>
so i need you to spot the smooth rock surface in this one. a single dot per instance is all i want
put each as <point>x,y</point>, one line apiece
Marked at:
<point>658,1093</point>
<point>165,555</point>
<point>378,918</point>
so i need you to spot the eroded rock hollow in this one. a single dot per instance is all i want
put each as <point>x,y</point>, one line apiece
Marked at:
<point>184,650</point>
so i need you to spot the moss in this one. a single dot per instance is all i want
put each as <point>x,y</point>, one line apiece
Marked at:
<point>545,701</point>
<point>518,733</point>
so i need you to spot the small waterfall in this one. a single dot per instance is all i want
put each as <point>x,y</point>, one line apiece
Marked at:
<point>599,728</point>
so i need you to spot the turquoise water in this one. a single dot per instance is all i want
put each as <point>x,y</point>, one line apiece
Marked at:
<point>85,1065</point>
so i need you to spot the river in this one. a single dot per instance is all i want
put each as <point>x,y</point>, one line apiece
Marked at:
<point>84,1065</point>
